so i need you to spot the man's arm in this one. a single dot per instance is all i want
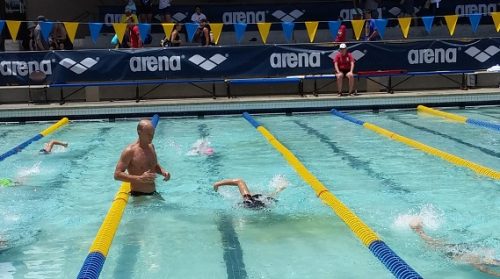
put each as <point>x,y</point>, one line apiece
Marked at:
<point>122,166</point>
<point>336,67</point>
<point>352,66</point>
<point>158,169</point>
<point>233,182</point>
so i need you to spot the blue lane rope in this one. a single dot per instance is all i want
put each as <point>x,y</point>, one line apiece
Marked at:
<point>20,147</point>
<point>483,124</point>
<point>347,117</point>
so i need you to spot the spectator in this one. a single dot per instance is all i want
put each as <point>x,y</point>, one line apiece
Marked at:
<point>134,36</point>
<point>175,38</point>
<point>28,42</point>
<point>164,9</point>
<point>40,43</point>
<point>60,39</point>
<point>371,33</point>
<point>408,9</point>
<point>205,33</point>
<point>344,67</point>
<point>168,18</point>
<point>146,11</point>
<point>131,6</point>
<point>198,16</point>
<point>341,34</point>
<point>128,14</point>
<point>372,6</point>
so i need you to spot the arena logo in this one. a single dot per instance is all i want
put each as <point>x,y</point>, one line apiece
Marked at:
<point>475,8</point>
<point>482,56</point>
<point>78,67</point>
<point>349,14</point>
<point>24,68</point>
<point>244,17</point>
<point>432,56</point>
<point>295,60</point>
<point>357,54</point>
<point>290,17</point>
<point>155,63</point>
<point>207,64</point>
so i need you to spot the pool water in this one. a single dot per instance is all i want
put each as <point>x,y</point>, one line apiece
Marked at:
<point>49,221</point>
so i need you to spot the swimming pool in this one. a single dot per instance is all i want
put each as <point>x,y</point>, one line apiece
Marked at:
<point>50,220</point>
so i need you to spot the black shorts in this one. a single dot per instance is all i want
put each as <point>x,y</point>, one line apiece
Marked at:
<point>138,194</point>
<point>344,72</point>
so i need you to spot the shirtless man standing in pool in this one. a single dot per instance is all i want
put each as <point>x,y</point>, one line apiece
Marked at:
<point>138,163</point>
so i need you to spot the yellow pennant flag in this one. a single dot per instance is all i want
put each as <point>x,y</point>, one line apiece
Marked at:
<point>404,24</point>
<point>120,30</point>
<point>312,27</point>
<point>71,28</point>
<point>167,28</point>
<point>451,22</point>
<point>357,25</point>
<point>13,26</point>
<point>496,20</point>
<point>264,28</point>
<point>216,30</point>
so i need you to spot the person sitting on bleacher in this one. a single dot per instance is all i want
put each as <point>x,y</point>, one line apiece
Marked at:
<point>344,67</point>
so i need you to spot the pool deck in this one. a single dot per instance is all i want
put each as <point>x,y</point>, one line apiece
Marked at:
<point>256,104</point>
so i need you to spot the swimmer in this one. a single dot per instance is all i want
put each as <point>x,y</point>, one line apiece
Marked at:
<point>457,252</point>
<point>255,201</point>
<point>48,146</point>
<point>6,182</point>
<point>201,147</point>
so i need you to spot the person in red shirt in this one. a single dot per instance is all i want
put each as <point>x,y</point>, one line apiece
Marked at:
<point>344,67</point>
<point>134,37</point>
<point>341,34</point>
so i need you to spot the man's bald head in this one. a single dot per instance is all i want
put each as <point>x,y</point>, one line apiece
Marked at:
<point>144,124</point>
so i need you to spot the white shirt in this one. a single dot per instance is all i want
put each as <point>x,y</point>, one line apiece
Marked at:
<point>198,17</point>
<point>164,4</point>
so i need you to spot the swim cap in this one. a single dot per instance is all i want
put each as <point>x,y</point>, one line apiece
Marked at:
<point>5,182</point>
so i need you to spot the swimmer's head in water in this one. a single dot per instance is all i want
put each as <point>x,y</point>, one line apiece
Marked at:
<point>43,151</point>
<point>257,201</point>
<point>6,182</point>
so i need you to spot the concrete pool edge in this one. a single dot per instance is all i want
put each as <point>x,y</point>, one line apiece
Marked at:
<point>263,104</point>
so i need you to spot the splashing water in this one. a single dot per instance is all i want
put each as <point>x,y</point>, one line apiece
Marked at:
<point>24,173</point>
<point>177,147</point>
<point>278,183</point>
<point>431,218</point>
<point>201,147</point>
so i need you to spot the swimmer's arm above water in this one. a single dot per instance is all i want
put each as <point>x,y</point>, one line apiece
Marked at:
<point>233,182</point>
<point>122,166</point>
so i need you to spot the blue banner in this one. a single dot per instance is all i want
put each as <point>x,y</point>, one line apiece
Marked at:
<point>243,61</point>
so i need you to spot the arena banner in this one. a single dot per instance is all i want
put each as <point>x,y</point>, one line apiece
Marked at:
<point>301,12</point>
<point>243,61</point>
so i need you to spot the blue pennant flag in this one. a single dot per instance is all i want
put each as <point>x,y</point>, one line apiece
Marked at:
<point>334,28</point>
<point>381,24</point>
<point>239,29</point>
<point>46,28</point>
<point>144,30</point>
<point>191,30</point>
<point>2,23</point>
<point>428,20</point>
<point>288,30</point>
<point>95,29</point>
<point>474,21</point>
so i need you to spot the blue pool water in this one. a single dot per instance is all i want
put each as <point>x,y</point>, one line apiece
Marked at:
<point>49,221</point>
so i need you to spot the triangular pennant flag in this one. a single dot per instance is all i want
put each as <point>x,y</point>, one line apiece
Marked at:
<point>428,20</point>
<point>191,29</point>
<point>474,21</point>
<point>2,23</point>
<point>95,29</point>
<point>216,30</point>
<point>312,27</point>
<point>404,24</point>
<point>13,26</point>
<point>334,26</point>
<point>144,30</point>
<point>381,24</point>
<point>288,30</point>
<point>239,29</point>
<point>357,25</point>
<point>496,20</point>
<point>451,22</point>
<point>46,28</point>
<point>167,29</point>
<point>264,28</point>
<point>71,28</point>
<point>120,30</point>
